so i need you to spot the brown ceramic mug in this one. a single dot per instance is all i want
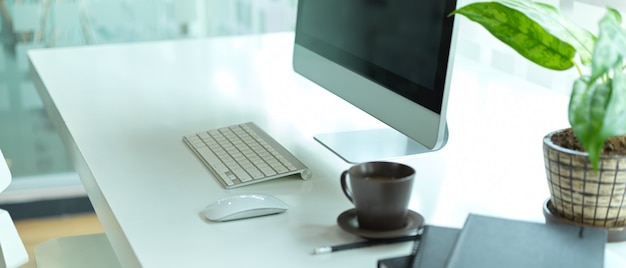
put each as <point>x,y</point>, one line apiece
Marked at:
<point>380,192</point>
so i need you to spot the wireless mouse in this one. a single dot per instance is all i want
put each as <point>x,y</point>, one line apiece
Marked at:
<point>244,206</point>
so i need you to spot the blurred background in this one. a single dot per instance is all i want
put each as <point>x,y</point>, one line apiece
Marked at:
<point>44,180</point>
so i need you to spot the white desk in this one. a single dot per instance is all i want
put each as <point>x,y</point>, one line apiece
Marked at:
<point>122,110</point>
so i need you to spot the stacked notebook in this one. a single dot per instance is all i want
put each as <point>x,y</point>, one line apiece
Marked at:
<point>495,242</point>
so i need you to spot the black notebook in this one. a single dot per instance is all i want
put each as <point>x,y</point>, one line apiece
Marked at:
<point>490,242</point>
<point>432,251</point>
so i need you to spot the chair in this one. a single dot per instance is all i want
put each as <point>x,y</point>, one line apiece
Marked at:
<point>12,250</point>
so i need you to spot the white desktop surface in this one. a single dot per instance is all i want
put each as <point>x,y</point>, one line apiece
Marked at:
<point>122,110</point>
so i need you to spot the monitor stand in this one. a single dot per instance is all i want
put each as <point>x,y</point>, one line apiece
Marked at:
<point>371,145</point>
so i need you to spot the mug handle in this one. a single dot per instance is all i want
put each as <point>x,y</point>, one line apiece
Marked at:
<point>344,186</point>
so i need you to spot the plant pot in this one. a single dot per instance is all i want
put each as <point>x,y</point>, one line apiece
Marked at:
<point>581,195</point>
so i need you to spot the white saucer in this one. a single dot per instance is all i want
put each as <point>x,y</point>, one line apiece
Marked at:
<point>348,222</point>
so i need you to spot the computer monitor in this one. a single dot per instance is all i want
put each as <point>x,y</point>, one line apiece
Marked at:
<point>390,58</point>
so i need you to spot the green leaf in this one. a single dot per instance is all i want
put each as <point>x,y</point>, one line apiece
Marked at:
<point>521,33</point>
<point>551,19</point>
<point>578,101</point>
<point>587,110</point>
<point>615,116</point>
<point>610,48</point>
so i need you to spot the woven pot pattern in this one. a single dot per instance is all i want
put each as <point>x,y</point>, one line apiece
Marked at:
<point>580,194</point>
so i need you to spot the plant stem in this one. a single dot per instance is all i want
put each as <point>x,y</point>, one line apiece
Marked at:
<point>580,72</point>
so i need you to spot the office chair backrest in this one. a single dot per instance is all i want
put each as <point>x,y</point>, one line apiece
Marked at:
<point>5,174</point>
<point>12,250</point>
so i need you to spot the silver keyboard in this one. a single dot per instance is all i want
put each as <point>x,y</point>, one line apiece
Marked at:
<point>244,154</point>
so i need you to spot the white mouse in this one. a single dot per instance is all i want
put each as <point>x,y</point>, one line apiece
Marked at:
<point>244,206</point>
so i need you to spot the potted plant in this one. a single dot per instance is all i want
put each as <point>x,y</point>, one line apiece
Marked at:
<point>586,163</point>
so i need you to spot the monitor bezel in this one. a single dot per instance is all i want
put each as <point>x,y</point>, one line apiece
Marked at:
<point>422,119</point>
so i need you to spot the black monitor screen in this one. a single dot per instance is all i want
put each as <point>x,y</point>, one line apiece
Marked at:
<point>402,45</point>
